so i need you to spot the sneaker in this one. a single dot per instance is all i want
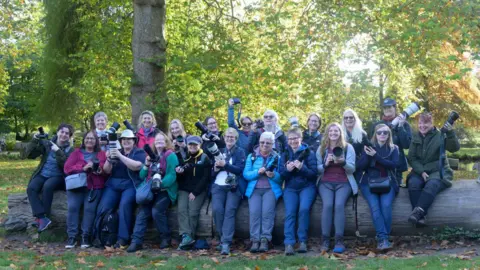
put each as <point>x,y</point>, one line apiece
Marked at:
<point>325,246</point>
<point>387,245</point>
<point>302,248</point>
<point>36,223</point>
<point>339,246</point>
<point>71,243</point>
<point>134,247</point>
<point>218,247</point>
<point>86,242</point>
<point>225,249</point>
<point>263,245</point>
<point>165,243</point>
<point>186,243</point>
<point>121,244</point>
<point>254,247</point>
<point>43,224</point>
<point>289,250</point>
<point>416,215</point>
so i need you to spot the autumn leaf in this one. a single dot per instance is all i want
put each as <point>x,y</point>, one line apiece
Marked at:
<point>81,260</point>
<point>206,266</point>
<point>444,264</point>
<point>215,260</point>
<point>100,264</point>
<point>82,254</point>
<point>257,267</point>
<point>180,267</point>
<point>423,265</point>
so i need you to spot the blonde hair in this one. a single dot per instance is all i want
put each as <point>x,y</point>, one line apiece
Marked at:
<point>233,131</point>
<point>357,131</point>
<point>140,118</point>
<point>326,139</point>
<point>389,140</point>
<point>180,125</point>
<point>168,142</point>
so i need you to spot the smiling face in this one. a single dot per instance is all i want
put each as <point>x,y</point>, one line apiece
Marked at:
<point>230,139</point>
<point>63,135</point>
<point>349,120</point>
<point>193,148</point>
<point>269,119</point>
<point>266,145</point>
<point>175,130</point>
<point>212,125</point>
<point>424,126</point>
<point>246,124</point>
<point>128,143</point>
<point>101,123</point>
<point>147,120</point>
<point>89,141</point>
<point>313,123</point>
<point>160,143</point>
<point>389,111</point>
<point>382,135</point>
<point>334,133</point>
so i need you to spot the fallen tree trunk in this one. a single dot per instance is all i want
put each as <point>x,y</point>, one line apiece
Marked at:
<point>456,207</point>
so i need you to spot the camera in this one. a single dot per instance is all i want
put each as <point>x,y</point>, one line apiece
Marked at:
<point>293,122</point>
<point>42,135</point>
<point>452,117</point>
<point>411,109</point>
<point>153,157</point>
<point>95,166</point>
<point>212,148</point>
<point>113,140</point>
<point>337,153</point>
<point>204,130</point>
<point>187,166</point>
<point>272,165</point>
<point>231,180</point>
<point>103,138</point>
<point>129,126</point>
<point>156,183</point>
<point>259,123</point>
<point>236,101</point>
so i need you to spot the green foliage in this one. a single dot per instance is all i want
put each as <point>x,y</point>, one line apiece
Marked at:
<point>455,234</point>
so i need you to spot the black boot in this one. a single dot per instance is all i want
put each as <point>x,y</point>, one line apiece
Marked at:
<point>134,247</point>
<point>416,215</point>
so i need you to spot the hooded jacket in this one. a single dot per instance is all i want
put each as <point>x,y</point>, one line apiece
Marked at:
<point>195,177</point>
<point>306,176</point>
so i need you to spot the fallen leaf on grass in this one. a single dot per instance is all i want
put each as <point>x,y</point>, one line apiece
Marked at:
<point>444,264</point>
<point>349,266</point>
<point>100,264</point>
<point>340,256</point>
<point>263,257</point>
<point>371,254</point>
<point>82,254</point>
<point>175,255</point>
<point>423,265</point>
<point>180,267</point>
<point>81,260</point>
<point>206,266</point>
<point>13,266</point>
<point>215,260</point>
<point>257,267</point>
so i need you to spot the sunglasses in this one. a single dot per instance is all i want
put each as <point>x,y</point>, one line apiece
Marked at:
<point>246,124</point>
<point>266,143</point>
<point>268,116</point>
<point>348,118</point>
<point>382,132</point>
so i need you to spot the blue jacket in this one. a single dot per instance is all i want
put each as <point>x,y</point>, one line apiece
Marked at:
<point>238,164</point>
<point>299,179</point>
<point>242,136</point>
<point>386,157</point>
<point>250,173</point>
<point>402,137</point>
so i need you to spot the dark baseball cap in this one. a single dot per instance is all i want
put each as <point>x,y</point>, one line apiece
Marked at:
<point>194,140</point>
<point>389,102</point>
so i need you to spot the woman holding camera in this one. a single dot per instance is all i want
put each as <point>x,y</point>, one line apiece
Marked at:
<point>178,136</point>
<point>146,129</point>
<point>101,120</point>
<point>298,167</point>
<point>378,185</point>
<point>425,180</point>
<point>217,136</point>
<point>162,170</point>
<point>192,178</point>
<point>270,124</point>
<point>124,166</point>
<point>401,134</point>
<point>263,190</point>
<point>336,164</point>
<point>49,175</point>
<point>312,136</point>
<point>228,189</point>
<point>87,160</point>
<point>246,123</point>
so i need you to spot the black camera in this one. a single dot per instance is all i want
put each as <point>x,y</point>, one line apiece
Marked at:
<point>103,138</point>
<point>204,130</point>
<point>187,166</point>
<point>231,180</point>
<point>272,165</point>
<point>95,166</point>
<point>259,123</point>
<point>128,125</point>
<point>452,117</point>
<point>153,157</point>
<point>42,135</point>
<point>236,101</point>
<point>113,140</point>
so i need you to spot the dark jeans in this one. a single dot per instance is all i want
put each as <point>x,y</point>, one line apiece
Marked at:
<point>380,209</point>
<point>225,204</point>
<point>334,197</point>
<point>76,199</point>
<point>120,194</point>
<point>158,210</point>
<point>42,207</point>
<point>297,202</point>
<point>422,194</point>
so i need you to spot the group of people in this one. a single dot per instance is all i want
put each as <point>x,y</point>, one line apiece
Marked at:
<point>255,160</point>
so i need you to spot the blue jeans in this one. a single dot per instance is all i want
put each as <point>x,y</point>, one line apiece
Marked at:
<point>297,201</point>
<point>119,194</point>
<point>380,209</point>
<point>76,199</point>
<point>334,197</point>
<point>158,210</point>
<point>225,204</point>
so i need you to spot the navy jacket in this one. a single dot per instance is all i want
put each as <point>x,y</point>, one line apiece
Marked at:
<point>299,179</point>
<point>402,137</point>
<point>386,157</point>
<point>238,157</point>
<point>312,140</point>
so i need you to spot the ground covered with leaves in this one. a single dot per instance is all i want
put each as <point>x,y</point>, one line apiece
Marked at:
<point>451,248</point>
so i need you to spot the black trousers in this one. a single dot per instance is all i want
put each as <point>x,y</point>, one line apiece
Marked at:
<point>45,186</point>
<point>422,193</point>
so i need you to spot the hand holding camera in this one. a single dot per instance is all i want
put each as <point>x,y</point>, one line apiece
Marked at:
<point>115,153</point>
<point>298,164</point>
<point>262,170</point>
<point>88,167</point>
<point>179,169</point>
<point>290,166</point>
<point>329,159</point>
<point>370,151</point>
<point>269,174</point>
<point>220,163</point>
<point>147,161</point>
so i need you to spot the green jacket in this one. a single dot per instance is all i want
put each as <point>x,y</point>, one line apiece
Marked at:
<point>36,148</point>
<point>424,154</point>
<point>169,180</point>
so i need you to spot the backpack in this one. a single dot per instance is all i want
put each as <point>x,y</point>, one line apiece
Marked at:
<point>106,229</point>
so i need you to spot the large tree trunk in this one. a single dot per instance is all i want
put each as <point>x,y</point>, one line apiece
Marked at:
<point>456,207</point>
<point>149,58</point>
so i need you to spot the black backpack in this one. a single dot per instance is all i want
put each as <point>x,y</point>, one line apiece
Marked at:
<point>106,229</point>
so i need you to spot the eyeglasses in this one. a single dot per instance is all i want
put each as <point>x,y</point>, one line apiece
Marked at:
<point>246,124</point>
<point>293,138</point>
<point>268,116</point>
<point>89,139</point>
<point>349,118</point>
<point>211,123</point>
<point>266,143</point>
<point>230,137</point>
<point>382,132</point>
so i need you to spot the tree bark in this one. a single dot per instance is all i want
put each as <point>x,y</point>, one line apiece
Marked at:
<point>457,206</point>
<point>149,58</point>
